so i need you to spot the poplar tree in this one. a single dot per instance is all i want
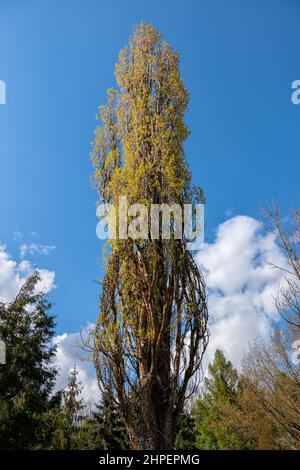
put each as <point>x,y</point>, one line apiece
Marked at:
<point>151,332</point>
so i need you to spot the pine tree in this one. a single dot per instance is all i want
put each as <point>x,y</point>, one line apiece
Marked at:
<point>153,315</point>
<point>27,378</point>
<point>69,418</point>
<point>108,428</point>
<point>186,434</point>
<point>222,380</point>
<point>72,403</point>
<point>220,390</point>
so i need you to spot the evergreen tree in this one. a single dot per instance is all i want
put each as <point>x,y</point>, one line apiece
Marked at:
<point>27,378</point>
<point>72,403</point>
<point>108,429</point>
<point>220,390</point>
<point>186,434</point>
<point>69,420</point>
<point>222,381</point>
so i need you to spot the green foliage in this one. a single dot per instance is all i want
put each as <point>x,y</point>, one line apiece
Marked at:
<point>222,382</point>
<point>186,435</point>
<point>27,378</point>
<point>220,389</point>
<point>73,427</point>
<point>108,429</point>
<point>68,418</point>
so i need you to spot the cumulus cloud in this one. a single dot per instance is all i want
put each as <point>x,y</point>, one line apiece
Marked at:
<point>70,353</point>
<point>13,276</point>
<point>35,249</point>
<point>241,284</point>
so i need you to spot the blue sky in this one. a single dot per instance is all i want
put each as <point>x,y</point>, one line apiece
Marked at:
<point>238,60</point>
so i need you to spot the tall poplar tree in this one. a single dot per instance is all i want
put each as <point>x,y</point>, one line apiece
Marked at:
<point>151,332</point>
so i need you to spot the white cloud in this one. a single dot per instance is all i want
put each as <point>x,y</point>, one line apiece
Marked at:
<point>241,285</point>
<point>35,249</point>
<point>69,352</point>
<point>13,276</point>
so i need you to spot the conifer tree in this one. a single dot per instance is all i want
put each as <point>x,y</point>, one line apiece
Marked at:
<point>108,428</point>
<point>70,415</point>
<point>186,435</point>
<point>220,390</point>
<point>27,377</point>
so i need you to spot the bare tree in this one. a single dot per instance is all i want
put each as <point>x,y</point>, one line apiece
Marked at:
<point>272,368</point>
